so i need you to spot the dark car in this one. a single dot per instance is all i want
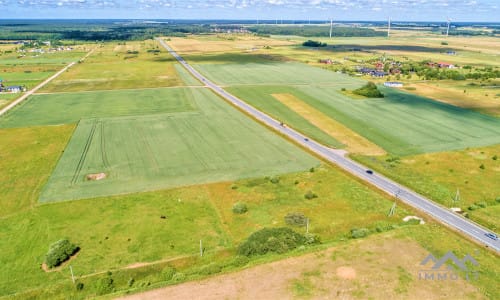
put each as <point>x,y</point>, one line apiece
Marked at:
<point>491,236</point>
<point>369,171</point>
<point>306,139</point>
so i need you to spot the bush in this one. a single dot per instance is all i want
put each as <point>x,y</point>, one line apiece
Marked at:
<point>482,167</point>
<point>311,43</point>
<point>310,195</point>
<point>130,282</point>
<point>179,277</point>
<point>240,208</point>
<point>275,179</point>
<point>296,219</point>
<point>59,252</point>
<point>278,240</point>
<point>495,157</point>
<point>104,285</point>
<point>79,286</point>
<point>240,261</point>
<point>312,239</point>
<point>369,90</point>
<point>473,207</point>
<point>168,273</point>
<point>357,233</point>
<point>210,269</point>
<point>482,204</point>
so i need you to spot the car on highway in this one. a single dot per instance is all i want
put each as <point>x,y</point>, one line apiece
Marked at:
<point>306,139</point>
<point>491,236</point>
<point>369,171</point>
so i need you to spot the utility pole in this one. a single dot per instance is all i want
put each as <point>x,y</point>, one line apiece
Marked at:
<point>72,275</point>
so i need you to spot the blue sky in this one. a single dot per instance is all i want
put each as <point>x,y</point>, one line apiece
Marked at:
<point>404,10</point>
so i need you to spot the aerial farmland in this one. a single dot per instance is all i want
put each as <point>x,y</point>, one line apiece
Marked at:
<point>160,183</point>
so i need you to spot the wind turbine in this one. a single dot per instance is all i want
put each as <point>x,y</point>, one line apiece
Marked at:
<point>389,27</point>
<point>448,26</point>
<point>331,27</point>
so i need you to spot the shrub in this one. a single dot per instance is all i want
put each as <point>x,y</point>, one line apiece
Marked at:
<point>130,282</point>
<point>312,239</point>
<point>278,240</point>
<point>369,90</point>
<point>179,277</point>
<point>275,179</point>
<point>311,170</point>
<point>497,199</point>
<point>79,286</point>
<point>473,207</point>
<point>482,167</point>
<point>296,219</point>
<point>311,43</point>
<point>168,273</point>
<point>210,269</point>
<point>482,204</point>
<point>240,208</point>
<point>357,233</point>
<point>495,157</point>
<point>310,195</point>
<point>104,285</point>
<point>240,261</point>
<point>59,252</point>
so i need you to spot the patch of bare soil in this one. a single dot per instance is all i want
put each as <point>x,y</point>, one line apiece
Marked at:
<point>96,177</point>
<point>369,268</point>
<point>346,272</point>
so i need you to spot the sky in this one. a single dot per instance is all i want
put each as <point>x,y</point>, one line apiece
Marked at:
<point>345,10</point>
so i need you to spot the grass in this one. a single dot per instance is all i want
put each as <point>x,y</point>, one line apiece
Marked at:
<point>25,167</point>
<point>261,98</point>
<point>273,73</point>
<point>422,125</point>
<point>353,141</point>
<point>65,108</point>
<point>439,175</point>
<point>118,66</point>
<point>155,152</point>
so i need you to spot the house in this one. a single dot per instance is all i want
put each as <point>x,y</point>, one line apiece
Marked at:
<point>444,65</point>
<point>15,89</point>
<point>326,61</point>
<point>451,53</point>
<point>393,84</point>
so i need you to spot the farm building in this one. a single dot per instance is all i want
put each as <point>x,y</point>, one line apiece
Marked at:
<point>14,89</point>
<point>444,65</point>
<point>393,84</point>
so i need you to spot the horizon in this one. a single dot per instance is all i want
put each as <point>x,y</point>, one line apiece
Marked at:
<point>340,10</point>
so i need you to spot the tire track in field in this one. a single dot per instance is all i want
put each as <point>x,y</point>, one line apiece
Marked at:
<point>104,155</point>
<point>83,156</point>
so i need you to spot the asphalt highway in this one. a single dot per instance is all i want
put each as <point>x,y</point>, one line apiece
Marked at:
<point>404,194</point>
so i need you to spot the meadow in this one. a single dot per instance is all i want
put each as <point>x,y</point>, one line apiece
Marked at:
<point>65,108</point>
<point>121,65</point>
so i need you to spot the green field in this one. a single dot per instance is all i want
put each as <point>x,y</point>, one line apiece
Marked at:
<point>64,108</point>
<point>120,66</point>
<point>217,143</point>
<point>273,73</point>
<point>401,123</point>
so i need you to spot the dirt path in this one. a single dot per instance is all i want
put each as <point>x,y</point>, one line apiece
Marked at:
<point>353,141</point>
<point>370,268</point>
<point>41,85</point>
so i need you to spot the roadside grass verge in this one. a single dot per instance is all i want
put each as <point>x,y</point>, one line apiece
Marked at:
<point>439,176</point>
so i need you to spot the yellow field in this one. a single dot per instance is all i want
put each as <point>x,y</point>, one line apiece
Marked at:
<point>223,43</point>
<point>353,141</point>
<point>482,100</point>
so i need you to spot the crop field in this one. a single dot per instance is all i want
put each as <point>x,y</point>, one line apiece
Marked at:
<point>64,108</point>
<point>154,152</point>
<point>422,125</point>
<point>120,66</point>
<point>273,73</point>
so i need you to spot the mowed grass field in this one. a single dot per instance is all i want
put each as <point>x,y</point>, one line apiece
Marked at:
<point>216,143</point>
<point>121,65</point>
<point>401,123</point>
<point>65,108</point>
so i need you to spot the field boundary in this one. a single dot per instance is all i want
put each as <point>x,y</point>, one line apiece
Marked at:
<point>41,85</point>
